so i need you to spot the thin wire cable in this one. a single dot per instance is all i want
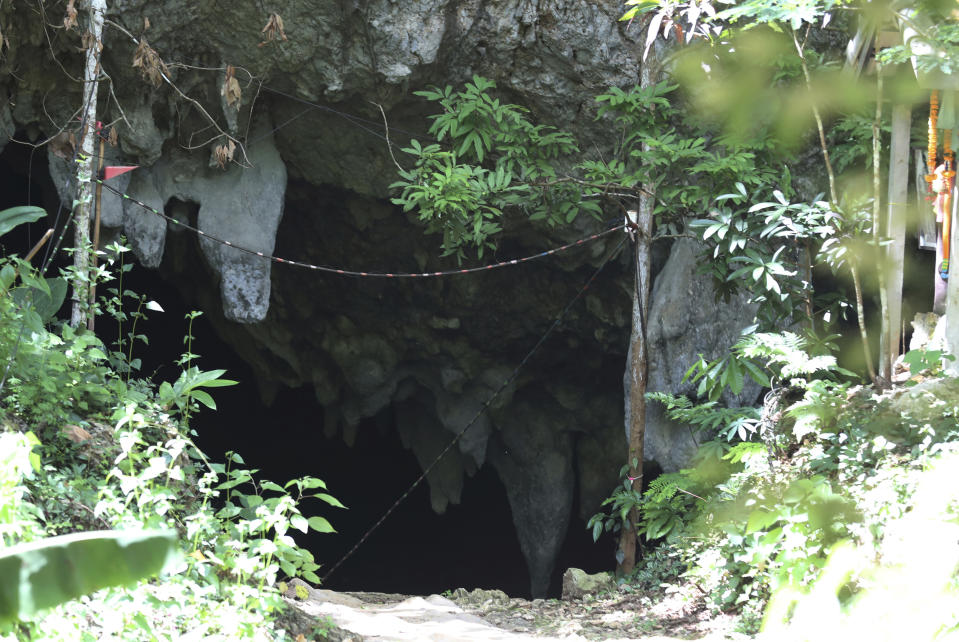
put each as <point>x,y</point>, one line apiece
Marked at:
<point>506,382</point>
<point>342,272</point>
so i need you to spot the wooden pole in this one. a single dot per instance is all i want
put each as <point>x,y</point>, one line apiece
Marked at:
<point>886,333</point>
<point>952,291</point>
<point>896,220</point>
<point>81,241</point>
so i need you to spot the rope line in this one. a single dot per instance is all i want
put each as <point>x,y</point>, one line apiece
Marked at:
<point>506,382</point>
<point>342,272</point>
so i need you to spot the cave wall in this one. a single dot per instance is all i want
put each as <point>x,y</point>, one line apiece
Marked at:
<point>312,185</point>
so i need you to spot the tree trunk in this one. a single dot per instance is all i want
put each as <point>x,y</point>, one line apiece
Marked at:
<point>81,242</point>
<point>638,361</point>
<point>637,375</point>
<point>896,220</point>
<point>878,232</point>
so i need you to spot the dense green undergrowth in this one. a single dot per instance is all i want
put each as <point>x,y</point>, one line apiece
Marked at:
<point>837,497</point>
<point>87,445</point>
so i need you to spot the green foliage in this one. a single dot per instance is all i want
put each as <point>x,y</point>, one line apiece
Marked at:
<point>710,416</point>
<point>793,15</point>
<point>115,306</point>
<point>621,502</point>
<point>18,518</point>
<point>926,360</point>
<point>860,590</point>
<point>14,216</point>
<point>667,505</point>
<point>42,574</point>
<point>770,535</point>
<point>136,468</point>
<point>836,462</point>
<point>934,47</point>
<point>766,248</point>
<point>491,163</point>
<point>767,358</point>
<point>53,377</point>
<point>186,391</point>
<point>496,157</point>
<point>851,141</point>
<point>659,567</point>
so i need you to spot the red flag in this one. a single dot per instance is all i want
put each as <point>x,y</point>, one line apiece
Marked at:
<point>116,170</point>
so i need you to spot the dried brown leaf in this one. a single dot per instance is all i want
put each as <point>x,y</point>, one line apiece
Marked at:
<point>148,61</point>
<point>63,145</point>
<point>70,19</point>
<point>114,137</point>
<point>231,88</point>
<point>146,23</point>
<point>273,29</point>
<point>87,41</point>
<point>223,153</point>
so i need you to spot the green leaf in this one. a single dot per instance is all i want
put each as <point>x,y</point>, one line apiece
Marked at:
<point>299,522</point>
<point>204,398</point>
<point>33,280</point>
<point>329,499</point>
<point>735,379</point>
<point>320,525</point>
<point>268,485</point>
<point>251,501</point>
<point>14,216</point>
<point>211,379</point>
<point>756,373</point>
<point>7,275</point>
<point>760,520</point>
<point>46,302</point>
<point>51,571</point>
<point>312,482</point>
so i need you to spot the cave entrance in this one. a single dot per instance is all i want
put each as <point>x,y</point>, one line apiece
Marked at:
<point>25,180</point>
<point>415,551</point>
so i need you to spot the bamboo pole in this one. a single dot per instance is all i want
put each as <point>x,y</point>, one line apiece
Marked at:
<point>96,239</point>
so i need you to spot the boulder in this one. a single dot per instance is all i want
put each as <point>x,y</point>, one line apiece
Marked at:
<point>578,583</point>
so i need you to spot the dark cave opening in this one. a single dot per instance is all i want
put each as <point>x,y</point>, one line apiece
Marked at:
<point>25,180</point>
<point>415,551</point>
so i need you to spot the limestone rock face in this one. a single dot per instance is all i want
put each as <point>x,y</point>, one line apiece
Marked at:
<point>310,183</point>
<point>685,322</point>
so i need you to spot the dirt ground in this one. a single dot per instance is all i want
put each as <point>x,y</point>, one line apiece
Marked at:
<point>492,616</point>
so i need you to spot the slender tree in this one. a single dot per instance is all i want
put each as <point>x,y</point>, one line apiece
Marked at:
<point>93,38</point>
<point>637,365</point>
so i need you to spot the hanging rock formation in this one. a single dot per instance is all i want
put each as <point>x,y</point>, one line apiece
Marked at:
<point>311,183</point>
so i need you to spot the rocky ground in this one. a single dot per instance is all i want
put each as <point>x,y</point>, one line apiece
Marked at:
<point>490,615</point>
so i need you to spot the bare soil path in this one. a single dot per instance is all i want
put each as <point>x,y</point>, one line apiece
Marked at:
<point>491,616</point>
